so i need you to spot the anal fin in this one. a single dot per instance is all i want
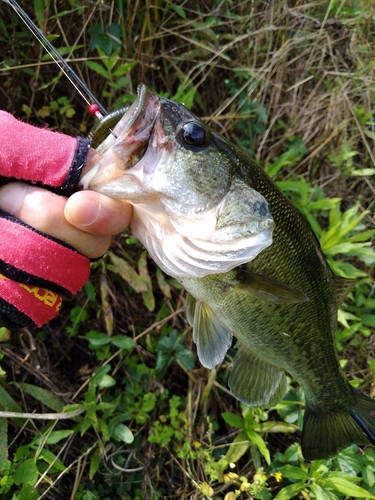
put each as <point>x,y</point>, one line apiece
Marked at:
<point>212,337</point>
<point>254,381</point>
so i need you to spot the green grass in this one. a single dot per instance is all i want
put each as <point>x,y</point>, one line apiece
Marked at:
<point>292,84</point>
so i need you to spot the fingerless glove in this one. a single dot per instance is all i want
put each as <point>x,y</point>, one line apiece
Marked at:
<point>36,269</point>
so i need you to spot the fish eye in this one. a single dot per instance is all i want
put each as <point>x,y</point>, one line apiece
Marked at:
<point>192,135</point>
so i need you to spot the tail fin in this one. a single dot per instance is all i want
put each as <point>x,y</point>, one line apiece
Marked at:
<point>325,434</point>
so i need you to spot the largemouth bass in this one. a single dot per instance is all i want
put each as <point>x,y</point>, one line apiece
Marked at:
<point>250,262</point>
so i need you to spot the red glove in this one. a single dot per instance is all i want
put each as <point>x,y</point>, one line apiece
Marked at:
<point>35,269</point>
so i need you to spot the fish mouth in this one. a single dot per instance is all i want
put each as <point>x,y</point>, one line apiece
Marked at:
<point>128,142</point>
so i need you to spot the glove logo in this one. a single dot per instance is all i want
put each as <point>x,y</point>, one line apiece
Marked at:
<point>50,299</point>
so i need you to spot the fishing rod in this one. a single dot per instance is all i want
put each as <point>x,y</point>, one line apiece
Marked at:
<point>94,106</point>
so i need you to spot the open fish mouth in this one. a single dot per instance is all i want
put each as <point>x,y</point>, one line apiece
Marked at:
<point>128,142</point>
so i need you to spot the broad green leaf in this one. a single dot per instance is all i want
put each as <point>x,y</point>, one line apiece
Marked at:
<point>362,236</point>
<point>322,493</point>
<point>163,362</point>
<point>50,458</point>
<point>370,134</point>
<point>273,426</point>
<point>177,9</point>
<point>28,492</point>
<point>98,68</point>
<point>106,381</point>
<point>292,472</point>
<point>39,12</point>
<point>368,476</point>
<point>4,335</point>
<point>94,464</point>
<point>206,489</point>
<point>325,204</point>
<point>26,473</point>
<point>238,448</point>
<point>344,248</point>
<point>97,338</point>
<point>148,403</point>
<point>186,357</point>
<point>123,433</point>
<point>122,341</point>
<point>345,269</point>
<point>289,491</point>
<point>105,406</point>
<point>350,462</point>
<point>70,112</point>
<point>260,443</point>
<point>344,486</point>
<point>53,437</point>
<point>103,43</point>
<point>233,419</point>
<point>90,291</point>
<point>63,51</point>
<point>43,395</point>
<point>7,403</point>
<point>368,320</point>
<point>366,172</point>
<point>103,427</point>
<point>123,69</point>
<point>101,379</point>
<point>111,61</point>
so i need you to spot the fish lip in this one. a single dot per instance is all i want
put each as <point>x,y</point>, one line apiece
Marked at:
<point>134,138</point>
<point>127,144</point>
<point>139,117</point>
<point>143,108</point>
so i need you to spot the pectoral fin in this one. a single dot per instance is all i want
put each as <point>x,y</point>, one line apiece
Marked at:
<point>254,381</point>
<point>265,288</point>
<point>212,337</point>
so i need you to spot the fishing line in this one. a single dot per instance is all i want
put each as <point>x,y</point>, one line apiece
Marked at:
<point>96,109</point>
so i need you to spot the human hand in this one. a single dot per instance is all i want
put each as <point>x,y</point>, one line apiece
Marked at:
<point>86,221</point>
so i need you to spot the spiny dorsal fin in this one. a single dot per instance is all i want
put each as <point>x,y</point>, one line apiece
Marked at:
<point>212,337</point>
<point>254,381</point>
<point>265,288</point>
<point>343,287</point>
